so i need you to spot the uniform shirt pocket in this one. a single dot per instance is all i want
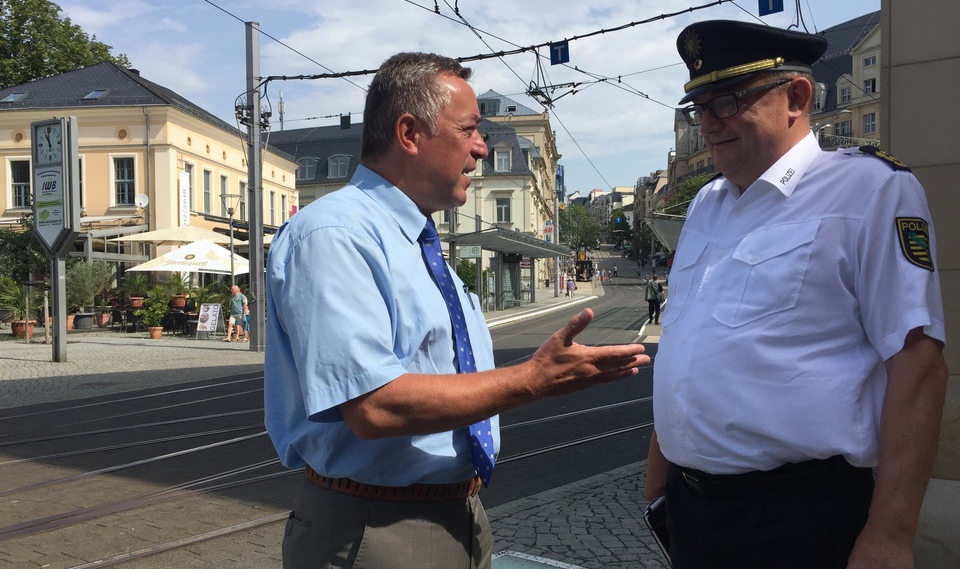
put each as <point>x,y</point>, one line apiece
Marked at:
<point>681,279</point>
<point>766,273</point>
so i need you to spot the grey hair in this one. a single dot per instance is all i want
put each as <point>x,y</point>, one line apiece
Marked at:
<point>405,83</point>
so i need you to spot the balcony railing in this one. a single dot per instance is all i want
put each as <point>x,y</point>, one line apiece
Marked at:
<point>832,141</point>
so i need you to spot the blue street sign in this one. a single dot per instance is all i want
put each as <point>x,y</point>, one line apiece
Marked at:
<point>560,51</point>
<point>770,7</point>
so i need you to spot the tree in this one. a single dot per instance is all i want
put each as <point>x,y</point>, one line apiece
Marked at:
<point>35,42</point>
<point>577,228</point>
<point>21,254</point>
<point>618,227</point>
<point>686,191</point>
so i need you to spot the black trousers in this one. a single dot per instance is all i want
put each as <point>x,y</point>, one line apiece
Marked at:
<point>812,524</point>
<point>653,311</point>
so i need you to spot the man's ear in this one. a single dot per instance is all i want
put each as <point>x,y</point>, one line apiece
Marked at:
<point>408,133</point>
<point>799,94</point>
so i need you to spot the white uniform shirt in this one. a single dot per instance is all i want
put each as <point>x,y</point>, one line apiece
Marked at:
<point>784,304</point>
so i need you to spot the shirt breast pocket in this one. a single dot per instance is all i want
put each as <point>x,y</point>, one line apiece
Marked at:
<point>766,273</point>
<point>681,281</point>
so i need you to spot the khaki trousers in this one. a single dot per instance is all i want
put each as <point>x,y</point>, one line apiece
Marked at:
<point>330,530</point>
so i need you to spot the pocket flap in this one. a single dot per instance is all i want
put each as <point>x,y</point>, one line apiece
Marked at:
<point>775,241</point>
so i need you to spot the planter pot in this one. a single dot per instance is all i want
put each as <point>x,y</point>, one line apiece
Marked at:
<point>22,328</point>
<point>136,302</point>
<point>70,321</point>
<point>83,320</point>
<point>155,332</point>
<point>178,301</point>
<point>102,319</point>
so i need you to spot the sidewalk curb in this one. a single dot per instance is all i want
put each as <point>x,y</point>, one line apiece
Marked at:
<point>538,312</point>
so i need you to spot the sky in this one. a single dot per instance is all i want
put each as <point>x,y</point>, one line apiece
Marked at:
<point>613,127</point>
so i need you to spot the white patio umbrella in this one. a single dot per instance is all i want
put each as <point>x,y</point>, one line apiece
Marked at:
<point>178,236</point>
<point>201,256</point>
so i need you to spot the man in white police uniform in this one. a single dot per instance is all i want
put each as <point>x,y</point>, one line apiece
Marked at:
<point>802,346</point>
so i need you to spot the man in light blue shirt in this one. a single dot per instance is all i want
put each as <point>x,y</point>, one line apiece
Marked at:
<point>362,385</point>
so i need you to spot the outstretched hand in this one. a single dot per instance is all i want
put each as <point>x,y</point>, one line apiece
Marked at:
<point>565,366</point>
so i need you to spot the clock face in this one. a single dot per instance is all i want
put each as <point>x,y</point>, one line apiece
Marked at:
<point>49,143</point>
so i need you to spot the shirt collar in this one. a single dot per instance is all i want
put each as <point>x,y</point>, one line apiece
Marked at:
<point>392,200</point>
<point>787,172</point>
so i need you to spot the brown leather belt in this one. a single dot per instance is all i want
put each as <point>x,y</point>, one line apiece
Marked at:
<point>412,493</point>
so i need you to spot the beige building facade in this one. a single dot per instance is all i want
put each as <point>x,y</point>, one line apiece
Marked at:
<point>919,66</point>
<point>148,160</point>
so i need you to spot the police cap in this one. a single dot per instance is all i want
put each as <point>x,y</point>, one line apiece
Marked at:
<point>719,53</point>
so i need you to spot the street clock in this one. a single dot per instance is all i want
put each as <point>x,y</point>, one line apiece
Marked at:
<point>56,219</point>
<point>49,142</point>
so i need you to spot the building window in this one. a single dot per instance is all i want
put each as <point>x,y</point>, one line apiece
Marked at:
<point>207,190</point>
<point>843,128</point>
<point>501,160</point>
<point>869,86</point>
<point>94,95</point>
<point>820,96</point>
<point>13,97</point>
<point>283,208</point>
<point>503,210</point>
<point>242,186</point>
<point>224,189</point>
<point>307,170</point>
<point>338,166</point>
<point>273,208</point>
<point>869,123</point>
<point>870,61</point>
<point>188,170</point>
<point>123,181</point>
<point>845,95</point>
<point>20,182</point>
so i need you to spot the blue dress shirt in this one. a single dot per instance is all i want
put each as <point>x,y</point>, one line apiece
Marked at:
<point>350,307</point>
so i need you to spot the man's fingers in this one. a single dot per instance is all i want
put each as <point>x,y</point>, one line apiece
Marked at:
<point>576,325</point>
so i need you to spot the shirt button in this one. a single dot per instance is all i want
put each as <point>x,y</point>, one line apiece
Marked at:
<point>683,341</point>
<point>681,436</point>
<point>700,296</point>
<point>676,388</point>
<point>753,258</point>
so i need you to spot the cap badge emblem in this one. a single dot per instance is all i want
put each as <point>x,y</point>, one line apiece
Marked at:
<point>691,44</point>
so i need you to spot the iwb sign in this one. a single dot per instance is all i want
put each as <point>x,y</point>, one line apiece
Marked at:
<point>469,252</point>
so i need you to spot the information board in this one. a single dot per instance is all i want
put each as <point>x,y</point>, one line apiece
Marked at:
<point>209,318</point>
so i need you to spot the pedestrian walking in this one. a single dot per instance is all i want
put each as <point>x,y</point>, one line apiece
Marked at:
<point>238,309</point>
<point>653,294</point>
<point>571,286</point>
<point>802,347</point>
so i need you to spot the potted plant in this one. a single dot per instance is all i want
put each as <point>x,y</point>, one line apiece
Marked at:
<point>102,316</point>
<point>84,282</point>
<point>153,310</point>
<point>179,286</point>
<point>135,286</point>
<point>23,305</point>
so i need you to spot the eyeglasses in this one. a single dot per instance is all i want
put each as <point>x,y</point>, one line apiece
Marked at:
<point>724,106</point>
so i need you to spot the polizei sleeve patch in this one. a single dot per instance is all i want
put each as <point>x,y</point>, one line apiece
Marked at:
<point>915,241</point>
<point>893,162</point>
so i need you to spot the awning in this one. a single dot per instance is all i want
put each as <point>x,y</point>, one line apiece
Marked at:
<point>506,241</point>
<point>667,231</point>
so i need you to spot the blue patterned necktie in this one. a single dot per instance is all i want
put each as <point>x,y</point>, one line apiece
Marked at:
<point>481,436</point>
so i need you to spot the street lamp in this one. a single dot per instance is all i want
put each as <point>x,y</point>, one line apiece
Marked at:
<point>230,203</point>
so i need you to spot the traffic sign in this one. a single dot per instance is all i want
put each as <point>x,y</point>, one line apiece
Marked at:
<point>560,52</point>
<point>770,7</point>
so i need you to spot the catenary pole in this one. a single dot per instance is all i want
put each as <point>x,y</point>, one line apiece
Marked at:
<point>256,297</point>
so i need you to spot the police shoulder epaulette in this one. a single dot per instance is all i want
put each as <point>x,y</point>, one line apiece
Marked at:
<point>893,162</point>
<point>714,177</point>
